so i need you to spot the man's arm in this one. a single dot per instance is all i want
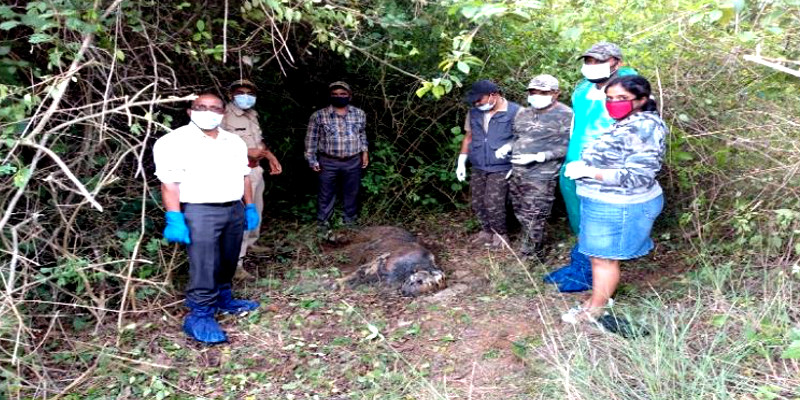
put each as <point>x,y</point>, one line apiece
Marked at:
<point>467,137</point>
<point>275,167</point>
<point>248,190</point>
<point>312,138</point>
<point>171,196</point>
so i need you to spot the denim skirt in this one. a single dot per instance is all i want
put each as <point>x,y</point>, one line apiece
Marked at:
<point>617,231</point>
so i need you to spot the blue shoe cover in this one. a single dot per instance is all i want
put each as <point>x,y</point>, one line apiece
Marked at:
<point>559,274</point>
<point>576,282</point>
<point>227,304</point>
<point>578,265</point>
<point>200,325</point>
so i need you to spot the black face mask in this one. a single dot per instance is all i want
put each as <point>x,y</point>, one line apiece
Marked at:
<point>340,102</point>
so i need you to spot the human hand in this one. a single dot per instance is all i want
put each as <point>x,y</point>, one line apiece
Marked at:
<point>461,168</point>
<point>251,217</point>
<point>525,159</point>
<point>275,167</point>
<point>579,169</point>
<point>316,167</point>
<point>364,159</point>
<point>503,151</point>
<point>176,230</point>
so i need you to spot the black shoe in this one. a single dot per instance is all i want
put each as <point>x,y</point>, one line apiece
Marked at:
<point>621,326</point>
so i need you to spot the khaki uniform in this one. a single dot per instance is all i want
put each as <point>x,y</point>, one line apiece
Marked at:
<point>244,123</point>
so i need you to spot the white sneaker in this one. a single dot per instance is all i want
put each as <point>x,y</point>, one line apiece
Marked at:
<point>574,315</point>
<point>580,313</point>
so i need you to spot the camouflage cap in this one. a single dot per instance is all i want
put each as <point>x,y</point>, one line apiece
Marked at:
<point>602,51</point>
<point>340,84</point>
<point>242,83</point>
<point>544,82</point>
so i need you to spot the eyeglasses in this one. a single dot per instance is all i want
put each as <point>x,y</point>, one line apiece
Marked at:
<point>216,109</point>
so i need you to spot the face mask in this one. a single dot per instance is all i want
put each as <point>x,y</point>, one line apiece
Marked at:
<point>244,101</point>
<point>596,72</point>
<point>540,101</point>
<point>340,102</point>
<point>486,107</point>
<point>619,109</point>
<point>206,120</point>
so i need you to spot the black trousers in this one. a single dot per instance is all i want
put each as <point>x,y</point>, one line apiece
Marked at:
<point>342,176</point>
<point>216,233</point>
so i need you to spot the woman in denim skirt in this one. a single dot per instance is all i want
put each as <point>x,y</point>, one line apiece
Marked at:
<point>616,183</point>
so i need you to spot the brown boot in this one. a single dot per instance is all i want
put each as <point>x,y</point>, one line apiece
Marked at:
<point>498,241</point>
<point>242,275</point>
<point>481,238</point>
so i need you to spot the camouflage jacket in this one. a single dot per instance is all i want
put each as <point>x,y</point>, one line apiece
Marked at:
<point>548,132</point>
<point>629,155</point>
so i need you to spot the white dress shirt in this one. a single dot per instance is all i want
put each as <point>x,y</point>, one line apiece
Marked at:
<point>208,170</point>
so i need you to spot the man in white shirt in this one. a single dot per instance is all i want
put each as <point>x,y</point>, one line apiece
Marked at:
<point>204,176</point>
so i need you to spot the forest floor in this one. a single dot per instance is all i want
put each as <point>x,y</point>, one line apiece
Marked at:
<point>493,333</point>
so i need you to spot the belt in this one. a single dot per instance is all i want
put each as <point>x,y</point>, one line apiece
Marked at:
<point>339,158</point>
<point>225,204</point>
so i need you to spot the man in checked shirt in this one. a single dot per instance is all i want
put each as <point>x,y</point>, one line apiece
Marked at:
<point>336,148</point>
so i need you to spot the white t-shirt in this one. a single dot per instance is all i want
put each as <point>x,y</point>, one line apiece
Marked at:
<point>208,170</point>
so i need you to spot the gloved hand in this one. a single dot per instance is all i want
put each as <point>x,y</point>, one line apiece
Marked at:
<point>525,159</point>
<point>176,230</point>
<point>461,168</point>
<point>251,217</point>
<point>503,151</point>
<point>579,169</point>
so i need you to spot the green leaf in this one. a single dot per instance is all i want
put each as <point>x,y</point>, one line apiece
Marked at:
<point>21,177</point>
<point>201,25</point>
<point>793,351</point>
<point>438,91</point>
<point>715,15</point>
<point>463,67</point>
<point>8,25</point>
<point>683,156</point>
<point>40,38</point>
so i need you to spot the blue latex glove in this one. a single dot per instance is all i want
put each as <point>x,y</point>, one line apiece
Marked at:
<point>176,230</point>
<point>251,217</point>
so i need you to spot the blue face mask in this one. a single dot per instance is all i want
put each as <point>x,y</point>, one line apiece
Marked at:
<point>244,101</point>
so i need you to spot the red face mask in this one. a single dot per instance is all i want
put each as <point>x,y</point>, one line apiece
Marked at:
<point>619,109</point>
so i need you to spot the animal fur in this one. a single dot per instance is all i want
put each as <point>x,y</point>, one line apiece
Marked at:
<point>393,256</point>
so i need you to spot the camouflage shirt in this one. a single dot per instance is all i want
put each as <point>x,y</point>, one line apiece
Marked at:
<point>536,131</point>
<point>629,155</point>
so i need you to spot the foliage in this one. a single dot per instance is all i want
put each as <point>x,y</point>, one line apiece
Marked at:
<point>85,87</point>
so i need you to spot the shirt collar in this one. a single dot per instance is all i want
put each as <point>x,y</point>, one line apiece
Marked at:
<point>198,133</point>
<point>235,110</point>
<point>332,111</point>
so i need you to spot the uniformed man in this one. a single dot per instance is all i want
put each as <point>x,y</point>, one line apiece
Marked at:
<point>242,120</point>
<point>204,178</point>
<point>541,136</point>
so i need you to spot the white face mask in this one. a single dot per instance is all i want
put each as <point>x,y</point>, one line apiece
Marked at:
<point>244,101</point>
<point>596,71</point>
<point>540,101</point>
<point>486,107</point>
<point>206,120</point>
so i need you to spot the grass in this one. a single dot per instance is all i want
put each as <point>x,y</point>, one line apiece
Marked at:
<point>718,331</point>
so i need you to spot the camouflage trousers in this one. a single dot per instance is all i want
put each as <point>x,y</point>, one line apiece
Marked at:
<point>489,192</point>
<point>532,200</point>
